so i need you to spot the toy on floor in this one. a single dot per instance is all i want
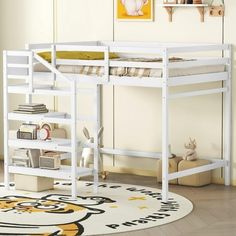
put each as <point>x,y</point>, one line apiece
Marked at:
<point>88,153</point>
<point>191,154</point>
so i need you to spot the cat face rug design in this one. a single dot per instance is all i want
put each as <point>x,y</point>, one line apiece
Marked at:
<point>21,215</point>
<point>115,208</point>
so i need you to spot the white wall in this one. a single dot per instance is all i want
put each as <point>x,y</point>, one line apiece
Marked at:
<point>22,22</point>
<point>131,116</point>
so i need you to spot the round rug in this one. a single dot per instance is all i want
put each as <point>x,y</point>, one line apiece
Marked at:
<point>115,208</point>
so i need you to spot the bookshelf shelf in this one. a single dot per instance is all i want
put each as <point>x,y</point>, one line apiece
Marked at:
<point>38,90</point>
<point>56,144</point>
<point>50,117</point>
<point>63,173</point>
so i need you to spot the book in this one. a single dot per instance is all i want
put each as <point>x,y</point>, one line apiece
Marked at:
<point>31,112</point>
<point>20,161</point>
<point>22,152</point>
<point>20,158</point>
<point>31,105</point>
<point>27,131</point>
<point>31,108</point>
<point>34,157</point>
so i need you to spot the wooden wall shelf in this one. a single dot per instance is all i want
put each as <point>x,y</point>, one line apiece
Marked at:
<point>170,9</point>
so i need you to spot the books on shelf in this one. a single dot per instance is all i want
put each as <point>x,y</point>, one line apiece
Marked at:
<point>34,157</point>
<point>26,157</point>
<point>27,131</point>
<point>20,161</point>
<point>31,108</point>
<point>21,157</point>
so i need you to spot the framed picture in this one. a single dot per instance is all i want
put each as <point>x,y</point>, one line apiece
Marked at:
<point>134,10</point>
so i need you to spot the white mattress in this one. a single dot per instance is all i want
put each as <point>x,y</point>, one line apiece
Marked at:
<point>133,72</point>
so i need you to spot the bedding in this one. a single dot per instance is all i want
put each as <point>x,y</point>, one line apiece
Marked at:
<point>134,72</point>
<point>76,55</point>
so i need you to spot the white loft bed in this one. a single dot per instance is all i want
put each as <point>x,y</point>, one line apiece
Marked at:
<point>19,65</point>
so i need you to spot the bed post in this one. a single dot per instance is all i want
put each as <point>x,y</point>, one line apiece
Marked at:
<point>228,120</point>
<point>73,140</point>
<point>97,101</point>
<point>165,125</point>
<point>6,127</point>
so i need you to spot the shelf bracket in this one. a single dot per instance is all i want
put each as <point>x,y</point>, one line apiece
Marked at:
<point>170,12</point>
<point>201,10</point>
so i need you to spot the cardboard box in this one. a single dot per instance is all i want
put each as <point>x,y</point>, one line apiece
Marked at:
<point>196,180</point>
<point>33,183</point>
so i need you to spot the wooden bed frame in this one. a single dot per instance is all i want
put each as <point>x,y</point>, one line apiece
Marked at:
<point>19,65</point>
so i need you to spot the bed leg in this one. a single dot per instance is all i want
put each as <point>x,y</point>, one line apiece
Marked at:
<point>73,141</point>
<point>228,122</point>
<point>165,125</point>
<point>5,121</point>
<point>97,124</point>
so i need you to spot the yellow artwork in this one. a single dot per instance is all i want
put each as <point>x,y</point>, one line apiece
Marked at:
<point>135,10</point>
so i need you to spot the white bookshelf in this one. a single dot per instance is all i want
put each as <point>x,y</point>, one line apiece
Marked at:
<point>31,84</point>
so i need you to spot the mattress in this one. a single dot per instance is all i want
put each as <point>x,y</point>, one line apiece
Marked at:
<point>134,72</point>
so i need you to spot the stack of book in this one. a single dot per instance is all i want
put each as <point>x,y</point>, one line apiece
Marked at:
<point>31,108</point>
<point>21,157</point>
<point>27,131</point>
<point>26,157</point>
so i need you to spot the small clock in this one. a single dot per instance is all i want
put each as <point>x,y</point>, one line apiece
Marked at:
<point>44,134</point>
<point>45,131</point>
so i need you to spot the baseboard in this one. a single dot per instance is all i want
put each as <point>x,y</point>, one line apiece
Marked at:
<point>217,180</point>
<point>233,182</point>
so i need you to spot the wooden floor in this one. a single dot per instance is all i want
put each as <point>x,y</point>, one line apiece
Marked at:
<point>214,211</point>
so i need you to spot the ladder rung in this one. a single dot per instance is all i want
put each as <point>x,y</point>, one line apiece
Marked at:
<point>12,65</point>
<point>18,77</point>
<point>22,53</point>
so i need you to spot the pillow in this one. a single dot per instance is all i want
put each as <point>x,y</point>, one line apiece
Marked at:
<point>77,55</point>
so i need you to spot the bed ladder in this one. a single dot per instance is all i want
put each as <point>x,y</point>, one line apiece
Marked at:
<point>96,120</point>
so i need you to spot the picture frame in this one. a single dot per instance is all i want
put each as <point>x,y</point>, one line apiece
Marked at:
<point>134,10</point>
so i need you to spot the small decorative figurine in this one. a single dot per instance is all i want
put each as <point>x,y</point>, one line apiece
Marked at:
<point>88,153</point>
<point>191,154</point>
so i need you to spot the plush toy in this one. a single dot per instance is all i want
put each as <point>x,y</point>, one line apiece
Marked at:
<point>134,7</point>
<point>191,154</point>
<point>88,153</point>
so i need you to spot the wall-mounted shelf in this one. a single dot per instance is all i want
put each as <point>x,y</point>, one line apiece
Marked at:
<point>170,9</point>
